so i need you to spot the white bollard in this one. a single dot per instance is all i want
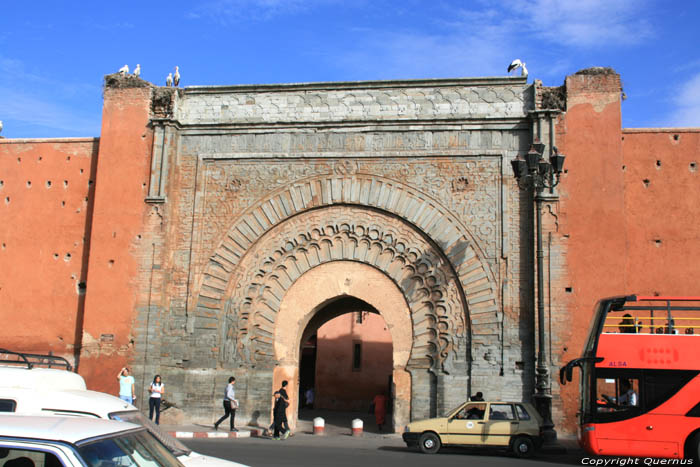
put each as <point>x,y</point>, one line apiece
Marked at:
<point>319,425</point>
<point>357,427</point>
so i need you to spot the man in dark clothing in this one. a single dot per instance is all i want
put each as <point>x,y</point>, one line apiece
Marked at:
<point>285,397</point>
<point>279,414</point>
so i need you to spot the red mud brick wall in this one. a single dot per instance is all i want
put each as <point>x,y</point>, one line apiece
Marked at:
<point>46,197</point>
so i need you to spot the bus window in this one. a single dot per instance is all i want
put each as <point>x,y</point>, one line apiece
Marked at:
<point>660,385</point>
<point>617,395</point>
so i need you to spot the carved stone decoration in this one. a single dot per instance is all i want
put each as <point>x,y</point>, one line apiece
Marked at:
<point>336,233</point>
<point>383,198</point>
<point>460,184</point>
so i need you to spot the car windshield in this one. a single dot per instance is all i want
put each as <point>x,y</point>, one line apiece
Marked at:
<point>125,450</point>
<point>134,416</point>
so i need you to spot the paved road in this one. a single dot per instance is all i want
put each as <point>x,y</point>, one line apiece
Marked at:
<point>308,450</point>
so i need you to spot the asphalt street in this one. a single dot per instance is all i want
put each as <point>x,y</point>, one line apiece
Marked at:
<point>345,450</point>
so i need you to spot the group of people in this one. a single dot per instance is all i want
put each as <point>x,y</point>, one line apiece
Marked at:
<point>629,326</point>
<point>280,425</point>
<point>127,392</point>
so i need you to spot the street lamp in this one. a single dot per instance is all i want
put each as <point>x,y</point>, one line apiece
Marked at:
<point>535,173</point>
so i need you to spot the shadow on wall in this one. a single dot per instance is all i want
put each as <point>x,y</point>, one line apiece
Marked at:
<point>82,280</point>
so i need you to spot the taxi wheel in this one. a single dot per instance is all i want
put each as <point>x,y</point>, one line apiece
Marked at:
<point>429,443</point>
<point>523,446</point>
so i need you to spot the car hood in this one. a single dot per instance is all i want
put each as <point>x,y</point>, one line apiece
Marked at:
<point>195,459</point>
<point>435,424</point>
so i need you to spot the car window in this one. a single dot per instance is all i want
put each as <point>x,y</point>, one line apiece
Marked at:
<point>7,405</point>
<point>10,457</point>
<point>472,412</point>
<point>132,449</point>
<point>522,413</point>
<point>501,412</point>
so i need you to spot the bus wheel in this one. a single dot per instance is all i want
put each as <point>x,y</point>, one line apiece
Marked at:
<point>692,448</point>
<point>429,443</point>
<point>523,446</point>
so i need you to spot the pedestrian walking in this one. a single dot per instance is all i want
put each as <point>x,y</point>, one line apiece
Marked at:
<point>230,404</point>
<point>279,415</point>
<point>285,397</point>
<point>157,389</point>
<point>126,386</point>
<point>379,403</point>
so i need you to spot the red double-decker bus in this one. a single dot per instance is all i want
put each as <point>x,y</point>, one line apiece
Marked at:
<point>640,378</point>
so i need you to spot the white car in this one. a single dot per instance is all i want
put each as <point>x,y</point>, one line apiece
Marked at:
<point>27,441</point>
<point>27,390</point>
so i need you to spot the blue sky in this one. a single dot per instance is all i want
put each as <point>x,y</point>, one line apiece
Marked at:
<point>54,54</point>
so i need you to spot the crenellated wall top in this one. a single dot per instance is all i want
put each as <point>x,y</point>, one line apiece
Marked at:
<point>348,102</point>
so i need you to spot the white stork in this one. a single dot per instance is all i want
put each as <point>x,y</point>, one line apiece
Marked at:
<point>515,64</point>
<point>124,70</point>
<point>137,70</point>
<point>176,77</point>
<point>169,80</point>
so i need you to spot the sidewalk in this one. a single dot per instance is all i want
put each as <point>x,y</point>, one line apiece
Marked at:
<point>336,424</point>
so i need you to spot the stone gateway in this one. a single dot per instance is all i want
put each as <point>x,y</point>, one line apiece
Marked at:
<point>279,200</point>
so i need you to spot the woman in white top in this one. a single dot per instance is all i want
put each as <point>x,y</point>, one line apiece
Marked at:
<point>157,388</point>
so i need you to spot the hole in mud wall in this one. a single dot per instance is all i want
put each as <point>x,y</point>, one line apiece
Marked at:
<point>19,159</point>
<point>89,182</point>
<point>67,158</point>
<point>658,164</point>
<point>7,200</point>
<point>81,171</point>
<point>693,168</point>
<point>65,183</point>
<point>4,246</point>
<point>569,289</point>
<point>48,183</point>
<point>676,137</point>
<point>81,287</point>
<point>624,167</point>
<point>55,256</point>
<point>657,242</point>
<point>110,263</point>
<point>29,183</point>
<point>2,183</point>
<point>67,257</point>
<point>63,203</point>
<point>646,182</point>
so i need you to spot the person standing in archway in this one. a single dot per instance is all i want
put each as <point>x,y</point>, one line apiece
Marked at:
<point>379,403</point>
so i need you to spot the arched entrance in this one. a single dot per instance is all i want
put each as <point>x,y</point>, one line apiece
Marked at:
<point>402,268</point>
<point>304,309</point>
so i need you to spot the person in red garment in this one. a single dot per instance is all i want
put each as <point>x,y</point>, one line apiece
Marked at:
<point>379,403</point>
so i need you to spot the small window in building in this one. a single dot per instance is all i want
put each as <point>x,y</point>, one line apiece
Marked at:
<point>358,317</point>
<point>7,405</point>
<point>356,356</point>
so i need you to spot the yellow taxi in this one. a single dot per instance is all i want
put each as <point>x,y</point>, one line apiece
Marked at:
<point>511,425</point>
